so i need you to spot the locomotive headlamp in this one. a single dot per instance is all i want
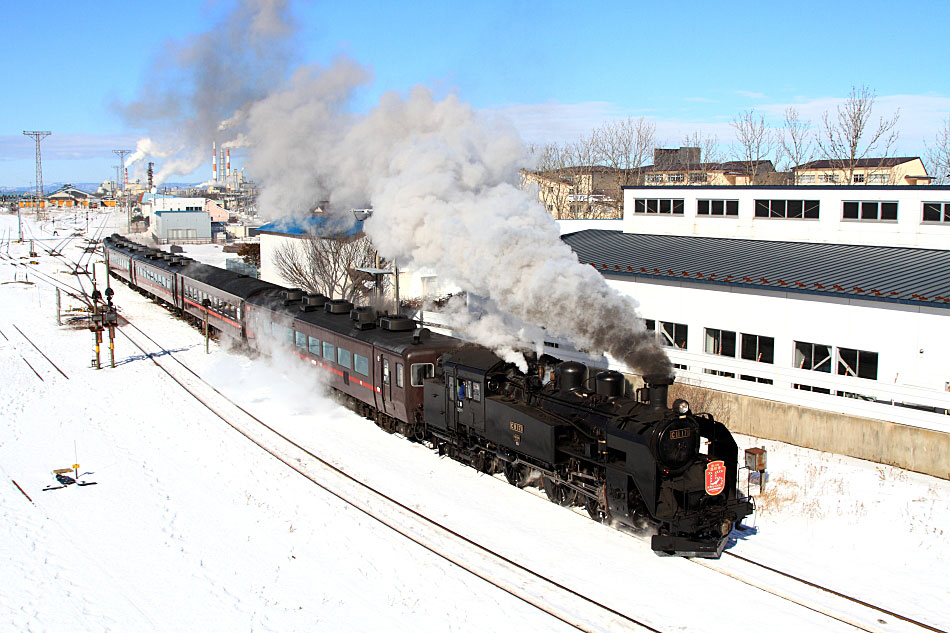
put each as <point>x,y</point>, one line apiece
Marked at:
<point>681,407</point>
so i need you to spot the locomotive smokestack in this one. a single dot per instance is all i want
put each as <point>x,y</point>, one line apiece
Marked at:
<point>658,389</point>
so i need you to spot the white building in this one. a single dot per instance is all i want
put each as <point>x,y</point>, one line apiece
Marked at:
<point>832,298</point>
<point>413,284</point>
<point>916,216</point>
<point>152,202</point>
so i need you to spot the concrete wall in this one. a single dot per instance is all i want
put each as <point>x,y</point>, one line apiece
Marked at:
<point>921,450</point>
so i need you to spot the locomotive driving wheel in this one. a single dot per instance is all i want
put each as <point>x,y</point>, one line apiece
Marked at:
<point>517,475</point>
<point>596,506</point>
<point>558,493</point>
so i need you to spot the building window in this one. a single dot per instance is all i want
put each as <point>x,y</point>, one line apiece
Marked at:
<point>810,388</point>
<point>869,210</point>
<point>717,207</point>
<point>673,334</point>
<point>697,177</point>
<point>760,349</point>
<point>857,363</point>
<point>667,206</point>
<point>676,178</point>
<point>764,381</point>
<point>654,178</point>
<point>879,179</point>
<point>806,179</point>
<point>792,209</point>
<point>720,342</point>
<point>813,356</point>
<point>828,178</point>
<point>937,212</point>
<point>858,179</point>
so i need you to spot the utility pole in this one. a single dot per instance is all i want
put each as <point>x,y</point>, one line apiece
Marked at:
<point>122,153</point>
<point>38,136</point>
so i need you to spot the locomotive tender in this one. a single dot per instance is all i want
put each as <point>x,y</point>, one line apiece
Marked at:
<point>629,459</point>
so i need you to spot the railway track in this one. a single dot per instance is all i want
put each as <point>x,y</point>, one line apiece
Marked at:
<point>548,595</point>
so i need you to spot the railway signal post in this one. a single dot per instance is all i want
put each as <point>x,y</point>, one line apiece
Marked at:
<point>111,319</point>
<point>206,303</point>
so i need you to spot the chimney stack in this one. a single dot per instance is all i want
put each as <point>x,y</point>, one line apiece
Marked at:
<point>227,169</point>
<point>214,162</point>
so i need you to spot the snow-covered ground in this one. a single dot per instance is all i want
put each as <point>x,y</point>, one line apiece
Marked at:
<point>192,528</point>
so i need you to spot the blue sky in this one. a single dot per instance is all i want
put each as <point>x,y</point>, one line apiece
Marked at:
<point>556,68</point>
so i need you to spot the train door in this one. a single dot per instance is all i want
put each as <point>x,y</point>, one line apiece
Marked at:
<point>465,392</point>
<point>386,369</point>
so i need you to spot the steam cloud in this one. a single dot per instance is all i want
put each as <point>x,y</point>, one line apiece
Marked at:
<point>441,178</point>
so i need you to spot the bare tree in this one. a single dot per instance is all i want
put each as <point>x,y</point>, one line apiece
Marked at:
<point>326,265</point>
<point>565,174</point>
<point>845,139</point>
<point>938,155</point>
<point>797,142</point>
<point>625,146</point>
<point>755,142</point>
<point>710,155</point>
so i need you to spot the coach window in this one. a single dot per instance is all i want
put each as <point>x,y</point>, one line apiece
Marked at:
<point>477,391</point>
<point>343,357</point>
<point>451,387</point>
<point>399,380</point>
<point>313,345</point>
<point>385,371</point>
<point>301,339</point>
<point>329,352</point>
<point>361,364</point>
<point>420,371</point>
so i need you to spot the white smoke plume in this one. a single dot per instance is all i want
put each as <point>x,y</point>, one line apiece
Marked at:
<point>442,180</point>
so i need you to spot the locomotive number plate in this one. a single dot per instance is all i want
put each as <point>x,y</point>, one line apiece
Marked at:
<point>517,428</point>
<point>679,434</point>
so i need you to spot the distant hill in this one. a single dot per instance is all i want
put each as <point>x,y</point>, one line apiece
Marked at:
<point>89,187</point>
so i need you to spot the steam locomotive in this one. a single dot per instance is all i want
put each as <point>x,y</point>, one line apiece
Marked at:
<point>627,457</point>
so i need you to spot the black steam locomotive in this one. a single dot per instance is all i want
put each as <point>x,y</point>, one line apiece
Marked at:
<point>627,458</point>
<point>632,460</point>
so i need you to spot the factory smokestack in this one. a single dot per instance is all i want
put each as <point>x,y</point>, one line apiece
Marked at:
<point>151,167</point>
<point>125,179</point>
<point>227,168</point>
<point>214,162</point>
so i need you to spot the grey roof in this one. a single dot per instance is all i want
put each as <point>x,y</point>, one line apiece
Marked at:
<point>879,273</point>
<point>860,163</point>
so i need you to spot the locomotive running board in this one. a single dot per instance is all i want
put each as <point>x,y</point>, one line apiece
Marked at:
<point>666,545</point>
